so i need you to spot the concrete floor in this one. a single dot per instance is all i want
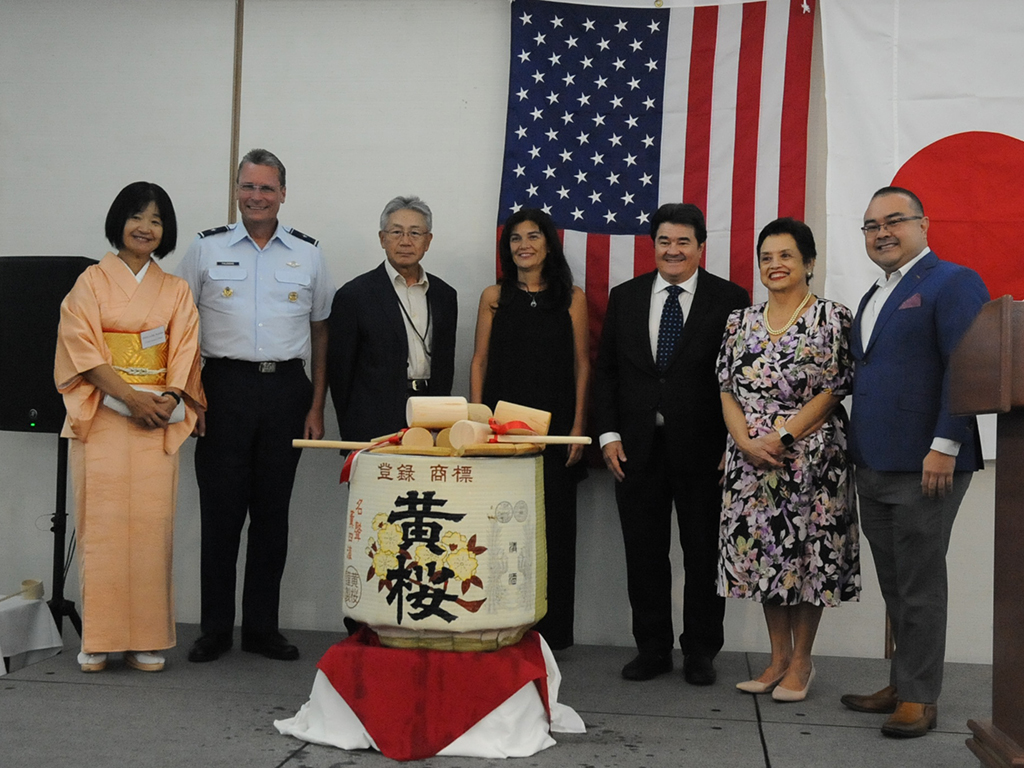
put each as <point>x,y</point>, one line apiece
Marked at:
<point>222,713</point>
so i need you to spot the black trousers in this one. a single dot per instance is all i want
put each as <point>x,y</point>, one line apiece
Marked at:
<point>645,500</point>
<point>560,531</point>
<point>245,465</point>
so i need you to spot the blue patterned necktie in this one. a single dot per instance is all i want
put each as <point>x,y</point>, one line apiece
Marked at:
<point>671,327</point>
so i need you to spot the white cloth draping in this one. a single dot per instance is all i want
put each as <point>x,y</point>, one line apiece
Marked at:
<point>27,633</point>
<point>517,728</point>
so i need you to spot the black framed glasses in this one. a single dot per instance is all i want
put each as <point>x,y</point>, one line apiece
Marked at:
<point>873,228</point>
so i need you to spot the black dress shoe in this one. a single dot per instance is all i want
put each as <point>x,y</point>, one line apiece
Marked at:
<point>647,666</point>
<point>699,670</point>
<point>273,646</point>
<point>209,647</point>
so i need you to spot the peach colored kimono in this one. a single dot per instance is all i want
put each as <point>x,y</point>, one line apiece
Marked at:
<point>125,477</point>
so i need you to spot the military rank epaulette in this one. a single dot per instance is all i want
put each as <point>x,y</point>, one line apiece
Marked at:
<point>304,236</point>
<point>214,231</point>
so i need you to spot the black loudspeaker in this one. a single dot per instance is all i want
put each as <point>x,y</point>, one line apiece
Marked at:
<point>31,290</point>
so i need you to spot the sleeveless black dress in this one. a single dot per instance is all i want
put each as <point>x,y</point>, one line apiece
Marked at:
<point>531,362</point>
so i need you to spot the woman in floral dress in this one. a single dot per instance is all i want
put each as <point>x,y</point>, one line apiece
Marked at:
<point>789,535</point>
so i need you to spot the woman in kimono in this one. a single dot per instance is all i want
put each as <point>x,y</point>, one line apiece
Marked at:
<point>127,365</point>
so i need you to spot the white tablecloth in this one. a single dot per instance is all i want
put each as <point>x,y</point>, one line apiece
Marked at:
<point>27,633</point>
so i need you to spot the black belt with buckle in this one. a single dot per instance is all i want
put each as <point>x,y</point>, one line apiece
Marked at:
<point>419,386</point>
<point>264,366</point>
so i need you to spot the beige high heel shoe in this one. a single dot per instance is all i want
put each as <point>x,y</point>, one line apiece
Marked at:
<point>756,686</point>
<point>786,694</point>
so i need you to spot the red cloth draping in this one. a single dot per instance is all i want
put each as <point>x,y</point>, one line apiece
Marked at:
<point>414,703</point>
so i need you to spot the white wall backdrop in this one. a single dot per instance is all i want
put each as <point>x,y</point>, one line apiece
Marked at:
<point>362,100</point>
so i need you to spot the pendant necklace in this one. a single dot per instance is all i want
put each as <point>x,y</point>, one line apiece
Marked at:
<point>533,294</point>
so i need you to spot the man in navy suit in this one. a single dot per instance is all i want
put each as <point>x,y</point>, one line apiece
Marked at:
<point>658,412</point>
<point>392,330</point>
<point>914,460</point>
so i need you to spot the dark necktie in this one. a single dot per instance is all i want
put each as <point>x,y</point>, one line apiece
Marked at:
<point>671,327</point>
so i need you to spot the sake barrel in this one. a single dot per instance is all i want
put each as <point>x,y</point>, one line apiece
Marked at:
<point>444,552</point>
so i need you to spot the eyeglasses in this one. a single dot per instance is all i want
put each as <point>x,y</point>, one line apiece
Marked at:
<point>890,224</point>
<point>252,189</point>
<point>413,234</point>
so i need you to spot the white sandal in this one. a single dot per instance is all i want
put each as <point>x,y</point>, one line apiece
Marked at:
<point>92,662</point>
<point>144,660</point>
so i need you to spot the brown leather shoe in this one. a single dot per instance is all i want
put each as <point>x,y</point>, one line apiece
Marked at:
<point>881,702</point>
<point>911,720</point>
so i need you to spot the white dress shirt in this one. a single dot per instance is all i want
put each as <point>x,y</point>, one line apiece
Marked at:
<point>416,319</point>
<point>659,294</point>
<point>886,285</point>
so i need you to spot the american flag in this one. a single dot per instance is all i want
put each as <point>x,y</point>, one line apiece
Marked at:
<point>614,111</point>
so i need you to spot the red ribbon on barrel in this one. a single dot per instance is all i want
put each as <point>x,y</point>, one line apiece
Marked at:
<point>346,470</point>
<point>498,428</point>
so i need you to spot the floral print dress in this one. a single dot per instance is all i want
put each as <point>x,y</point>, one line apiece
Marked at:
<point>789,535</point>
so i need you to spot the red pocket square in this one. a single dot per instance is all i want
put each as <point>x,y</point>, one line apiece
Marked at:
<point>913,301</point>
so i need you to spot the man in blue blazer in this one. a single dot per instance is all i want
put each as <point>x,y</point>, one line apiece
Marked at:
<point>392,330</point>
<point>914,460</point>
<point>658,412</point>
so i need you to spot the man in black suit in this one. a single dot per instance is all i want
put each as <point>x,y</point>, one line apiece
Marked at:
<point>392,330</point>
<point>658,411</point>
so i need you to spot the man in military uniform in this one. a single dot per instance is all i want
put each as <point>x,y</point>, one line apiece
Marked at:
<point>264,295</point>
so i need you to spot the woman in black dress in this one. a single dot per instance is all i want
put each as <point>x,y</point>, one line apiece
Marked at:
<point>532,348</point>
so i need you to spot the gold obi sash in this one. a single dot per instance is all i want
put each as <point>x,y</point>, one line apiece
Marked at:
<point>133,363</point>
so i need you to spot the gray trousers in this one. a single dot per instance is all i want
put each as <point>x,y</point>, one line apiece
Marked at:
<point>909,535</point>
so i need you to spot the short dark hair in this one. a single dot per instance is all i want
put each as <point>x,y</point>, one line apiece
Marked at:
<point>133,199</point>
<point>801,234</point>
<point>262,157</point>
<point>556,272</point>
<point>901,191</point>
<point>680,213</point>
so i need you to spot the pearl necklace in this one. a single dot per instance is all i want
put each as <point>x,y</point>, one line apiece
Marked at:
<point>792,318</point>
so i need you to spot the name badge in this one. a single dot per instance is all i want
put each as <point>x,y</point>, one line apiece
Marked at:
<point>153,337</point>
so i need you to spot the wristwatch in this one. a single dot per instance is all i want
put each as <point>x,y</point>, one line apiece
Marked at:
<point>787,439</point>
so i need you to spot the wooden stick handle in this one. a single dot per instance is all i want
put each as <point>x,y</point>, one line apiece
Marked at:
<point>546,439</point>
<point>344,445</point>
<point>465,433</point>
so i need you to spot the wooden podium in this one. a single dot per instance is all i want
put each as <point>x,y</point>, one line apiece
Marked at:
<point>988,377</point>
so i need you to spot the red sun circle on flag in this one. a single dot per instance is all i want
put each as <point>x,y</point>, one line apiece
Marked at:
<point>970,184</point>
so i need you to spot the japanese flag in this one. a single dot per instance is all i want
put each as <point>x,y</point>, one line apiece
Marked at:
<point>927,95</point>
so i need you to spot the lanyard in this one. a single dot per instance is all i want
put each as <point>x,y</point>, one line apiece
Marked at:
<point>421,336</point>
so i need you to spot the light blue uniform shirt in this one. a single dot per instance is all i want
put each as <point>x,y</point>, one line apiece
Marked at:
<point>256,304</point>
